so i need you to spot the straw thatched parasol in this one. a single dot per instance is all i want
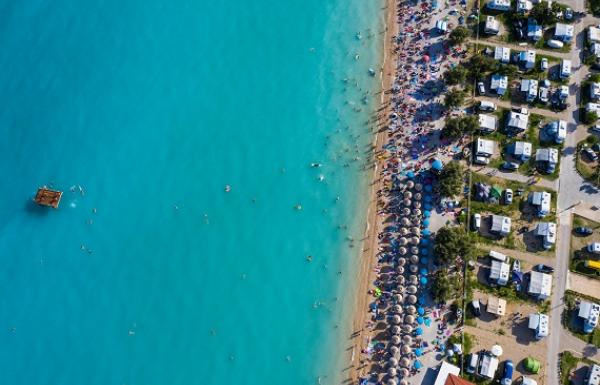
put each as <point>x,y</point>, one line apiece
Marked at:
<point>403,373</point>
<point>414,258</point>
<point>412,289</point>
<point>415,230</point>
<point>402,241</point>
<point>411,309</point>
<point>398,297</point>
<point>404,230</point>
<point>414,268</point>
<point>418,187</point>
<point>400,288</point>
<point>402,250</point>
<point>414,250</point>
<point>401,280</point>
<point>392,372</point>
<point>417,196</point>
<point>416,221</point>
<point>393,361</point>
<point>411,299</point>
<point>406,349</point>
<point>391,381</point>
<point>394,349</point>
<point>396,319</point>
<point>416,212</point>
<point>400,270</point>
<point>409,319</point>
<point>397,309</point>
<point>406,328</point>
<point>395,330</point>
<point>417,204</point>
<point>395,340</point>
<point>407,195</point>
<point>410,184</point>
<point>404,362</point>
<point>407,340</point>
<point>406,202</point>
<point>413,280</point>
<point>401,261</point>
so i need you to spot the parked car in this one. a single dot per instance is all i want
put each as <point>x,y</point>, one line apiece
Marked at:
<point>476,221</point>
<point>590,153</point>
<point>593,247</point>
<point>552,43</point>
<point>508,196</point>
<point>476,307</point>
<point>512,166</point>
<point>543,94</point>
<point>544,64</point>
<point>544,268</point>
<point>595,128</point>
<point>481,88</point>
<point>583,231</point>
<point>507,373</point>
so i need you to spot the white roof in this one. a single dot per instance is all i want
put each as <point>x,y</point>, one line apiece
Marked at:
<point>501,224</point>
<point>529,381</point>
<point>523,148</point>
<point>524,5</point>
<point>530,86</point>
<point>487,123</point>
<point>444,371</point>
<point>540,284</point>
<point>516,120</point>
<point>565,68</point>
<point>595,90</point>
<point>563,30</point>
<point>539,323</point>
<point>594,376</point>
<point>499,272</point>
<point>492,24</point>
<point>496,305</point>
<point>485,147</point>
<point>441,25</point>
<point>542,199</point>
<point>592,107</point>
<point>594,34</point>
<point>499,83</point>
<point>527,56</point>
<point>546,230</point>
<point>499,4</point>
<point>489,365</point>
<point>549,155</point>
<point>502,54</point>
<point>590,312</point>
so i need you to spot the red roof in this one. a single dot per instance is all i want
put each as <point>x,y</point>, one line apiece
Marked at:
<point>456,380</point>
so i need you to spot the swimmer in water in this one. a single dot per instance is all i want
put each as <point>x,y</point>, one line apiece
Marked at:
<point>227,188</point>
<point>309,258</point>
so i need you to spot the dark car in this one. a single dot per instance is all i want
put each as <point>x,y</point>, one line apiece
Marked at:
<point>583,230</point>
<point>508,373</point>
<point>590,154</point>
<point>512,166</point>
<point>544,269</point>
<point>596,147</point>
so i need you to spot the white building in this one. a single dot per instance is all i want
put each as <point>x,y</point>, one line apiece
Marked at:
<point>499,84</point>
<point>540,324</point>
<point>595,49</point>
<point>589,312</point>
<point>517,121</point>
<point>492,26</point>
<point>594,91</point>
<point>563,32</point>
<point>502,54</point>
<point>534,30</point>
<point>546,230</point>
<point>444,371</point>
<point>487,123</point>
<point>565,69</point>
<point>499,5</point>
<point>593,376</point>
<point>496,306</point>
<point>542,201</point>
<point>488,366</point>
<point>484,147</point>
<point>530,88</point>
<point>593,34</point>
<point>522,150</point>
<point>540,285</point>
<point>500,225</point>
<point>524,6</point>
<point>547,158</point>
<point>441,26</point>
<point>527,58</point>
<point>499,272</point>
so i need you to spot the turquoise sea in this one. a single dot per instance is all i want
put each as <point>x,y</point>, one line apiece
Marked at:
<point>142,112</point>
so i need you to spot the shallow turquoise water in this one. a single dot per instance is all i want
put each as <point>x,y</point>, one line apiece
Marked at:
<point>155,275</point>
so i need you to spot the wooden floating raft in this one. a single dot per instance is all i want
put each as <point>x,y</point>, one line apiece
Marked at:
<point>47,197</point>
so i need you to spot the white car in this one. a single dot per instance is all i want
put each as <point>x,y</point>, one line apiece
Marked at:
<point>476,221</point>
<point>481,88</point>
<point>594,247</point>
<point>508,196</point>
<point>544,64</point>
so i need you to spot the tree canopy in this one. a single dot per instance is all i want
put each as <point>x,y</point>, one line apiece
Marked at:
<point>457,127</point>
<point>450,179</point>
<point>454,98</point>
<point>451,242</point>
<point>456,75</point>
<point>459,35</point>
<point>544,14</point>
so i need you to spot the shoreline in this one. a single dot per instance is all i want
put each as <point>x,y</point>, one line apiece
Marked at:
<point>365,275</point>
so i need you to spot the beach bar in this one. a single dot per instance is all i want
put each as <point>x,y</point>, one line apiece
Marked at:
<point>47,197</point>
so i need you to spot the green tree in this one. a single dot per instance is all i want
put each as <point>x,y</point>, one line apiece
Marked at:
<point>590,117</point>
<point>457,127</point>
<point>481,64</point>
<point>450,243</point>
<point>459,35</point>
<point>441,287</point>
<point>544,14</point>
<point>456,75</point>
<point>454,98</point>
<point>450,179</point>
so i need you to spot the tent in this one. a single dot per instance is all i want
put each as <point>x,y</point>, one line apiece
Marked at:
<point>419,331</point>
<point>437,165</point>
<point>532,365</point>
<point>496,192</point>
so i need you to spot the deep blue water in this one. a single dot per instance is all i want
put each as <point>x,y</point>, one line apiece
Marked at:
<point>151,273</point>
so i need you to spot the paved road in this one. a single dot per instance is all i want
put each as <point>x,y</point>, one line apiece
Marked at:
<point>549,184</point>
<point>496,43</point>
<point>564,115</point>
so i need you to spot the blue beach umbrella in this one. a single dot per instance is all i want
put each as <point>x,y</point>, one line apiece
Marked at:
<point>418,352</point>
<point>424,271</point>
<point>424,241</point>
<point>421,310</point>
<point>427,322</point>
<point>418,364</point>
<point>426,213</point>
<point>428,188</point>
<point>427,198</point>
<point>419,331</point>
<point>424,251</point>
<point>421,300</point>
<point>423,280</point>
<point>437,165</point>
<point>424,260</point>
<point>420,320</point>
<point>426,232</point>
<point>410,174</point>
<point>427,206</point>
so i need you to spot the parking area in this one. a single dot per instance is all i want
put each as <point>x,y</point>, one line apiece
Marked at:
<point>580,240</point>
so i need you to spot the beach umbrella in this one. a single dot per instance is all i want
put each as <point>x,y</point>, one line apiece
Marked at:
<point>407,195</point>
<point>416,221</point>
<point>415,230</point>
<point>407,340</point>
<point>415,240</point>
<point>417,204</point>
<point>418,186</point>
<point>412,289</point>
<point>416,212</point>
<point>417,196</point>
<point>427,322</point>
<point>405,349</point>
<point>427,206</point>
<point>403,381</point>
<point>404,230</point>
<point>423,271</point>
<point>392,372</point>
<point>395,329</point>
<point>402,241</point>
<point>404,362</point>
<point>410,174</point>
<point>418,365</point>
<point>407,328</point>
<point>418,352</point>
<point>426,232</point>
<point>400,270</point>
<point>395,340</point>
<point>426,58</point>
<point>424,251</point>
<point>419,331</point>
<point>396,319</point>
<point>410,184</point>
<point>401,261</point>
<point>393,361</point>
<point>423,280</point>
<point>414,268</point>
<point>414,250</point>
<point>424,242</point>
<point>394,349</point>
<point>398,298</point>
<point>400,287</point>
<point>426,213</point>
<point>420,320</point>
<point>424,260</point>
<point>427,198</point>
<point>412,299</point>
<point>400,280</point>
<point>437,165</point>
<point>414,258</point>
<point>406,202</point>
<point>497,350</point>
<point>421,310</point>
<point>428,188</point>
<point>411,309</point>
<point>402,250</point>
<point>406,212</point>
<point>413,280</point>
<point>391,381</point>
<point>397,309</point>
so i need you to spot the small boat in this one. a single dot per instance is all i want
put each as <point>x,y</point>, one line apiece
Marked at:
<point>315,165</point>
<point>372,72</point>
